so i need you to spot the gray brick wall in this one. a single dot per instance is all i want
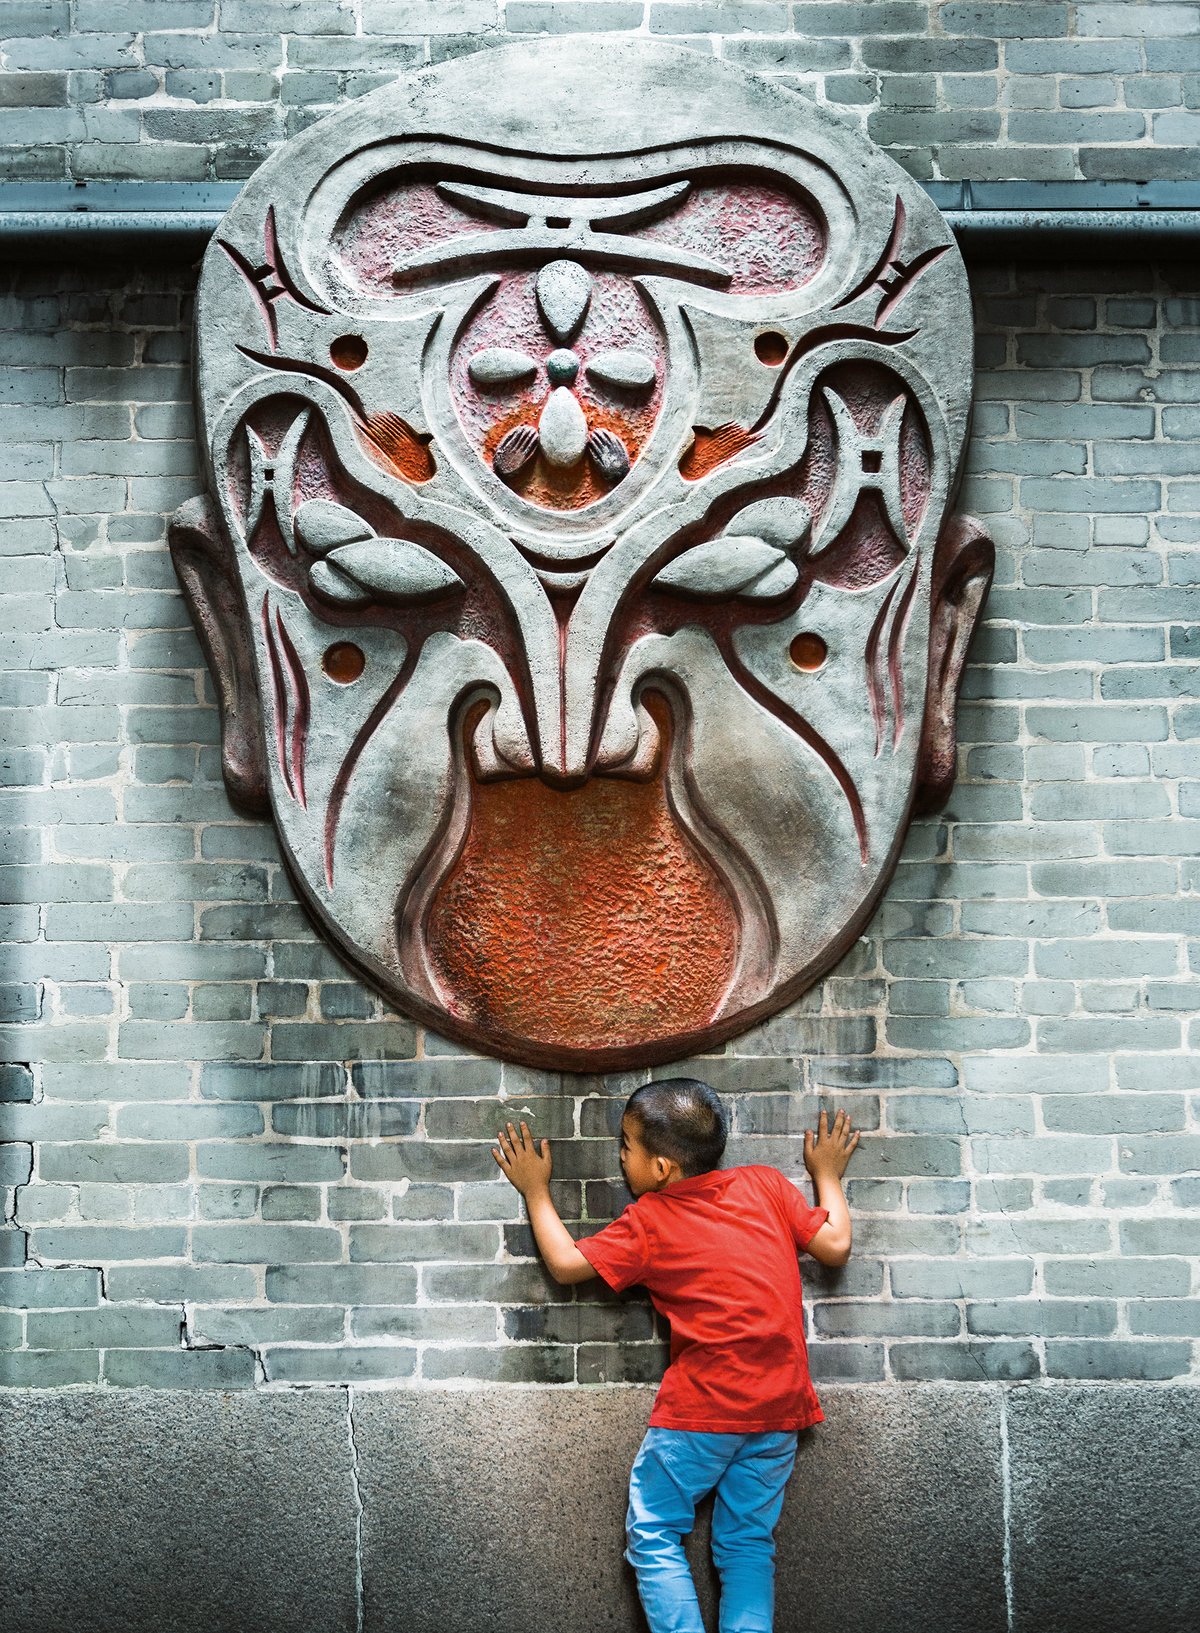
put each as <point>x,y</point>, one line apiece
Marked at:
<point>225,1164</point>
<point>1049,90</point>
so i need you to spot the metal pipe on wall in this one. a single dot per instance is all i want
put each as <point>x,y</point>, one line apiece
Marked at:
<point>1030,219</point>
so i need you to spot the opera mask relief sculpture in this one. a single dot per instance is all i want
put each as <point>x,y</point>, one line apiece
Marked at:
<point>578,574</point>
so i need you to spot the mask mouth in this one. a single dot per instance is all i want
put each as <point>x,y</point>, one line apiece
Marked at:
<point>580,918</point>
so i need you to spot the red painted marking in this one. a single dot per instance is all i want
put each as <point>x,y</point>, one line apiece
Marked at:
<point>298,692</point>
<point>277,698</point>
<point>896,649</point>
<point>874,676</point>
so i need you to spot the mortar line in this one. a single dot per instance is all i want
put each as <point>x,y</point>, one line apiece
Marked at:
<point>358,1511</point>
<point>1006,1488</point>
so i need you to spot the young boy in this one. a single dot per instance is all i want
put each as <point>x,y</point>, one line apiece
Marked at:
<point>716,1250</point>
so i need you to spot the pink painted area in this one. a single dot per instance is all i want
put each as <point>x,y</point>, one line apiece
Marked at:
<point>867,549</point>
<point>396,222</point>
<point>768,236</point>
<point>617,317</point>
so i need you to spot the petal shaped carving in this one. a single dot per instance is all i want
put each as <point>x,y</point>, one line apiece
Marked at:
<point>334,586</point>
<point>514,450</point>
<point>564,289</point>
<point>321,526</point>
<point>501,366</point>
<point>395,569</point>
<point>609,454</point>
<point>562,429</point>
<point>630,370</point>
<point>730,565</point>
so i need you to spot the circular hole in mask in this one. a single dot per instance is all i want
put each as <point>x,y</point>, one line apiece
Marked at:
<point>770,348</point>
<point>808,652</point>
<point>343,662</point>
<point>349,352</point>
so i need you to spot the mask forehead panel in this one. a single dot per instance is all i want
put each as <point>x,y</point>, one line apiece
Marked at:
<point>578,569</point>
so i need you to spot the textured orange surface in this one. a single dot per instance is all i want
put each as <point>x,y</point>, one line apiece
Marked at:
<point>583,918</point>
<point>406,452</point>
<point>712,448</point>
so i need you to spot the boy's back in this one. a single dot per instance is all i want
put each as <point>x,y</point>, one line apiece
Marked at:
<point>717,1251</point>
<point>717,1254</point>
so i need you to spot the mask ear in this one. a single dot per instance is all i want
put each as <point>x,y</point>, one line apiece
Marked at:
<point>962,574</point>
<point>206,572</point>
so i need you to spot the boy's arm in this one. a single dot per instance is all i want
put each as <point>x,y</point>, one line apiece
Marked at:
<point>825,1156</point>
<point>529,1173</point>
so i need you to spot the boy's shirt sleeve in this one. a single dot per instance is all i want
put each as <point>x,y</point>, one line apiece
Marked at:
<point>619,1253</point>
<point>805,1222</point>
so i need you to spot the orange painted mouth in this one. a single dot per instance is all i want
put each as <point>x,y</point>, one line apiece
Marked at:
<point>585,918</point>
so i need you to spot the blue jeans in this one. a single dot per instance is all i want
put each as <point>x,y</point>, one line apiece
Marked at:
<point>674,1469</point>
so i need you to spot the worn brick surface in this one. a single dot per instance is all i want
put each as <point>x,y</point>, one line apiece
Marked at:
<point>223,1163</point>
<point>1043,91</point>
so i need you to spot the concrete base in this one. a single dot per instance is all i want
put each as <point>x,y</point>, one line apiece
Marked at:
<point>139,1511</point>
<point>1106,1510</point>
<point>502,1509</point>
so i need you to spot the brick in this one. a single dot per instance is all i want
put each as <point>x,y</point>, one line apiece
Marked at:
<point>917,1319</point>
<point>170,1284</point>
<point>966,1279</point>
<point>180,1369</point>
<point>49,1289</point>
<point>40,1369</point>
<point>1151,1236</point>
<point>1063,1318</point>
<point>342,1284</point>
<point>1160,1153</point>
<point>265,1244</point>
<point>405,1243</point>
<point>280,1162</point>
<point>1134,1359</point>
<point>1166,1318</point>
<point>103,1328</point>
<point>554,17</point>
<point>263,1080</point>
<point>187,1122</point>
<point>968,1362</point>
<point>518,1363</point>
<point>382,1040</point>
<point>111,1164</point>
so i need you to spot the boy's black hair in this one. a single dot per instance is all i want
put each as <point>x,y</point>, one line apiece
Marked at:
<point>683,1120</point>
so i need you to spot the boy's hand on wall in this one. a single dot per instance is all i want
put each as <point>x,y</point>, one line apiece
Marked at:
<point>523,1165</point>
<point>827,1152</point>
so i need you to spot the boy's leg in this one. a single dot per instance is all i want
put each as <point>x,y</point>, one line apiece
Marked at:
<point>746,1511</point>
<point>671,1472</point>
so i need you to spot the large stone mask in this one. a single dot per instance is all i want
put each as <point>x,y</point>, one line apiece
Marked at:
<point>581,423</point>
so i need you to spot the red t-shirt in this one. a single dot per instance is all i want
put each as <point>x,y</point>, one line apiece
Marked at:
<point>717,1254</point>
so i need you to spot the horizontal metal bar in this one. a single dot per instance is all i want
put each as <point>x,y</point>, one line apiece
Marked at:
<point>1032,233</point>
<point>1025,218</point>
